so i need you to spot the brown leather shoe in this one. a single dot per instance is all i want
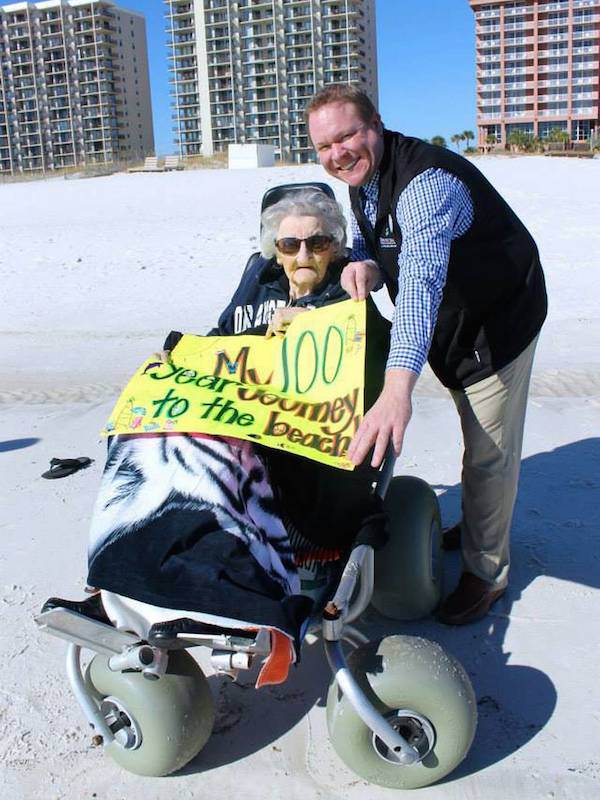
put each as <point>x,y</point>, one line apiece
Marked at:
<point>451,538</point>
<point>470,601</point>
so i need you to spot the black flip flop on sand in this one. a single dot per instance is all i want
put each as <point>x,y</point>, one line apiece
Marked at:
<point>61,467</point>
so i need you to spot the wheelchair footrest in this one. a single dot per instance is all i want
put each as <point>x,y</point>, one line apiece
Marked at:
<point>85,631</point>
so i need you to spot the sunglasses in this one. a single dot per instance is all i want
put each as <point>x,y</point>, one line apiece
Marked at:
<point>289,245</point>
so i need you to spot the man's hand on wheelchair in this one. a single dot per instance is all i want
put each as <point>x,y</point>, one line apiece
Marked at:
<point>387,420</point>
<point>359,278</point>
<point>282,319</point>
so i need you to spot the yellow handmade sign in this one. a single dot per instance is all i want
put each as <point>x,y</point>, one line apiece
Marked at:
<point>302,392</point>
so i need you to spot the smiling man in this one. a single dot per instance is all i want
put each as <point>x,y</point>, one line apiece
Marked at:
<point>469,291</point>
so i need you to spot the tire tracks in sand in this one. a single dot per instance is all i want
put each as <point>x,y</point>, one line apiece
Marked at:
<point>551,383</point>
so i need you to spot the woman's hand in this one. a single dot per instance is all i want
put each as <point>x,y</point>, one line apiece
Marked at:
<point>164,356</point>
<point>281,319</point>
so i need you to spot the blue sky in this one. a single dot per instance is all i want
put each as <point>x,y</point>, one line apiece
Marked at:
<point>426,66</point>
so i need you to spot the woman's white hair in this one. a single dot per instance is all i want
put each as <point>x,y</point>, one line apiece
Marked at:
<point>304,203</point>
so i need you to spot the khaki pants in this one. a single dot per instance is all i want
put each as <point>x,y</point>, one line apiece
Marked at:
<point>492,415</point>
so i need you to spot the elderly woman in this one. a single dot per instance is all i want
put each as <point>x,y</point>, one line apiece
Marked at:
<point>303,240</point>
<point>199,523</point>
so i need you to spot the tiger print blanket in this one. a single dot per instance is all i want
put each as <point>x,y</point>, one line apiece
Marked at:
<point>190,522</point>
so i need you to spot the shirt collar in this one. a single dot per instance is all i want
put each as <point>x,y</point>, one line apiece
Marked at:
<point>371,187</point>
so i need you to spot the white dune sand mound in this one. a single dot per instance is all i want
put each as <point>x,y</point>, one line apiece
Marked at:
<point>94,273</point>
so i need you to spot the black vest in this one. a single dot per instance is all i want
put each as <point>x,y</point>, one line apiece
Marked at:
<point>494,300</point>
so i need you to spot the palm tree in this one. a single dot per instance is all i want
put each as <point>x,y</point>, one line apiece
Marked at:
<point>518,141</point>
<point>456,138</point>
<point>468,135</point>
<point>559,136</point>
<point>439,141</point>
<point>490,141</point>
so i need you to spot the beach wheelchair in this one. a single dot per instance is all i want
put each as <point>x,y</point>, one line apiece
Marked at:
<point>401,713</point>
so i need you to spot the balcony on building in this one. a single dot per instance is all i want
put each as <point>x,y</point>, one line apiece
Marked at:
<point>517,26</point>
<point>488,13</point>
<point>515,11</point>
<point>553,20</point>
<point>557,5</point>
<point>486,41</point>
<point>183,25</point>
<point>589,80</point>
<point>178,8</point>
<point>591,36</point>
<point>589,50</point>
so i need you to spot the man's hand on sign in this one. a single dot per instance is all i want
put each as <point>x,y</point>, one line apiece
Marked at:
<point>282,318</point>
<point>387,419</point>
<point>359,278</point>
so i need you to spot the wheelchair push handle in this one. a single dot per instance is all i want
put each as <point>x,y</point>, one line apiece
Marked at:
<point>386,472</point>
<point>359,567</point>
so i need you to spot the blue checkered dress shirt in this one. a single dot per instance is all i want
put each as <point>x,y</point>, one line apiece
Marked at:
<point>434,209</point>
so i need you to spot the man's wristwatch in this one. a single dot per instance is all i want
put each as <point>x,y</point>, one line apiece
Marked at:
<point>380,280</point>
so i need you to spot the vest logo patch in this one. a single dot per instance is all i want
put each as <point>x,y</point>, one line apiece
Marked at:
<point>386,240</point>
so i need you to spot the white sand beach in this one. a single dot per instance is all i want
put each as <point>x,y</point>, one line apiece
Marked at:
<point>94,273</point>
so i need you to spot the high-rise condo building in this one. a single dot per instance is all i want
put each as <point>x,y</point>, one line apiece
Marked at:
<point>537,68</point>
<point>74,85</point>
<point>243,70</point>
